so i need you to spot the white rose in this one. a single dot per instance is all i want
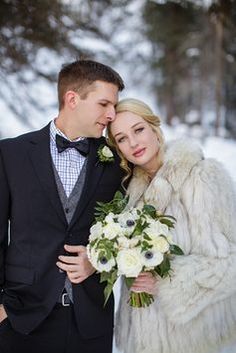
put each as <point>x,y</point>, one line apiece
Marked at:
<point>107,152</point>
<point>156,228</point>
<point>134,241</point>
<point>125,243</point>
<point>111,230</point>
<point>129,262</point>
<point>96,231</point>
<point>169,238</point>
<point>151,258</point>
<point>110,217</point>
<point>159,243</point>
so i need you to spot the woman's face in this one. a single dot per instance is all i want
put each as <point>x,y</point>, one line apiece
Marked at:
<point>136,140</point>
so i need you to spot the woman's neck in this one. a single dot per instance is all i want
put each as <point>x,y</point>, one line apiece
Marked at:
<point>151,173</point>
<point>151,169</point>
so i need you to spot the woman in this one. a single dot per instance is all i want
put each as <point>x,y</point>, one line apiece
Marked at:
<point>195,311</point>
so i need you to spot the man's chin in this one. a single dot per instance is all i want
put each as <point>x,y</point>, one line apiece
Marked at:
<point>100,134</point>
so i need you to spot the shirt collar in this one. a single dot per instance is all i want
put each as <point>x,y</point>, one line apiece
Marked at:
<point>55,131</point>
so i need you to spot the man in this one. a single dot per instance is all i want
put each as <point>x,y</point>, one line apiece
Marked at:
<point>50,181</point>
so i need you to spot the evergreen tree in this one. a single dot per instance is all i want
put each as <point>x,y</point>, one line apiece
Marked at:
<point>173,29</point>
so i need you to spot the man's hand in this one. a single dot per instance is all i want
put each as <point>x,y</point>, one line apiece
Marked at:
<point>3,313</point>
<point>77,267</point>
<point>145,282</point>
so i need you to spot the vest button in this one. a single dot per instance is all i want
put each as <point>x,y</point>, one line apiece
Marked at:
<point>67,210</point>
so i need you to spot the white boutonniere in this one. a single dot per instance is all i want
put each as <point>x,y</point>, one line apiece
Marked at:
<point>105,154</point>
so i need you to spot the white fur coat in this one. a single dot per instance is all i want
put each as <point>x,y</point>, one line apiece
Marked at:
<point>195,312</point>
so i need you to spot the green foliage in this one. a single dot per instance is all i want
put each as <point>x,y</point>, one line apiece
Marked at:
<point>163,270</point>
<point>168,220</point>
<point>176,250</point>
<point>116,206</point>
<point>150,210</point>
<point>110,278</point>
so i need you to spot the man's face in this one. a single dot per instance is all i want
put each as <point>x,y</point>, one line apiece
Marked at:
<point>93,113</point>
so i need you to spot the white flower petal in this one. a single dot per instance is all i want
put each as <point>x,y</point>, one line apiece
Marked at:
<point>129,262</point>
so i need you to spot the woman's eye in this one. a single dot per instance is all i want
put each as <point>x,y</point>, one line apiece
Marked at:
<point>140,129</point>
<point>121,139</point>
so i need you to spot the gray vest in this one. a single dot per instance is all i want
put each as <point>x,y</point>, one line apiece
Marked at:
<point>69,205</point>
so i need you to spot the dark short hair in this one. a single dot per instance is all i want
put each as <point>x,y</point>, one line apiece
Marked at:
<point>80,74</point>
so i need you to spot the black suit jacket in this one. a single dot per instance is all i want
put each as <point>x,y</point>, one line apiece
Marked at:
<point>29,278</point>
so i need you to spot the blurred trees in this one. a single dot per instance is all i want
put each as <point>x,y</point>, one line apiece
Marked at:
<point>28,28</point>
<point>180,51</point>
<point>173,30</point>
<point>37,37</point>
<point>194,56</point>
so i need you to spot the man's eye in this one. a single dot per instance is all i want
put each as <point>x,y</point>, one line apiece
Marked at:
<point>103,104</point>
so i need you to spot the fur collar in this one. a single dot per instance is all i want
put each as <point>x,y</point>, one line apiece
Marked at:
<point>180,156</point>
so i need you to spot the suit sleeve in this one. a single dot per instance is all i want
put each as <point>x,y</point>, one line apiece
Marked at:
<point>4,217</point>
<point>207,275</point>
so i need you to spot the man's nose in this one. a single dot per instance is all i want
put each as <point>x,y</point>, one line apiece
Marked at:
<point>111,114</point>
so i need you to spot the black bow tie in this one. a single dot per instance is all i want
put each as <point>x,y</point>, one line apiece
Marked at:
<point>82,146</point>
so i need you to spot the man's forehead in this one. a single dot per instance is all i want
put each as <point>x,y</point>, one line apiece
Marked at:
<point>105,91</point>
<point>98,85</point>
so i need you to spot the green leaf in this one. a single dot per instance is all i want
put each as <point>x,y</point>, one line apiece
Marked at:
<point>104,276</point>
<point>150,210</point>
<point>164,268</point>
<point>107,292</point>
<point>146,237</point>
<point>116,205</point>
<point>167,221</point>
<point>176,250</point>
<point>114,276</point>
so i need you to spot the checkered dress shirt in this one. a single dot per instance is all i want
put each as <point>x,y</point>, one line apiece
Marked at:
<point>67,163</point>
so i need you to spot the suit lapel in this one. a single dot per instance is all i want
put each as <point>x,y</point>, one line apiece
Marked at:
<point>93,174</point>
<point>40,156</point>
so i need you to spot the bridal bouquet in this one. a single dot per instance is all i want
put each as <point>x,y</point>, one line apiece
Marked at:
<point>128,242</point>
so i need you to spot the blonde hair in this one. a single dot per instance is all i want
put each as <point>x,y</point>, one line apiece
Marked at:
<point>142,109</point>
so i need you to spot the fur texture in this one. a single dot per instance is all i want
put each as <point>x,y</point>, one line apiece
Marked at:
<point>195,312</point>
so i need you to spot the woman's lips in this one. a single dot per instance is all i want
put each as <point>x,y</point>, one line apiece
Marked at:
<point>139,152</point>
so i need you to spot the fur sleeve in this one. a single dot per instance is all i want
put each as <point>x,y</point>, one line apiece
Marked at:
<point>208,274</point>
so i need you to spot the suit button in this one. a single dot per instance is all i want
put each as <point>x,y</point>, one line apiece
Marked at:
<point>70,235</point>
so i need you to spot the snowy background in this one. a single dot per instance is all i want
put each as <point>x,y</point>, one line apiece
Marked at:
<point>28,101</point>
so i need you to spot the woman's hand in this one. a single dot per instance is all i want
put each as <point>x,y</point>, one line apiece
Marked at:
<point>145,282</point>
<point>77,267</point>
